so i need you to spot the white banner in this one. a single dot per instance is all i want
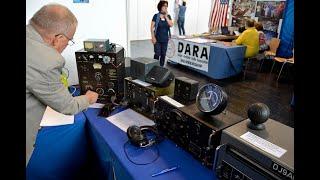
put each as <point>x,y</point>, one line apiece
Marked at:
<point>189,53</point>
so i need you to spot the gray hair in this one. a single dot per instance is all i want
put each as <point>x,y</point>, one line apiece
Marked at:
<point>54,19</point>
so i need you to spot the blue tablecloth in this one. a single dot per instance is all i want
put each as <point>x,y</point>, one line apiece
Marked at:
<point>60,151</point>
<point>108,141</point>
<point>224,61</point>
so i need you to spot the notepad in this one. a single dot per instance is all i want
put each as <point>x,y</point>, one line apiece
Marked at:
<point>54,118</point>
<point>128,118</point>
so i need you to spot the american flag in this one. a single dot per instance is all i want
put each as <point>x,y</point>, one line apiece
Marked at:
<point>218,16</point>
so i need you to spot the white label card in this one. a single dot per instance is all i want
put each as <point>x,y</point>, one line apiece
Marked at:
<point>172,101</point>
<point>263,144</point>
<point>142,83</point>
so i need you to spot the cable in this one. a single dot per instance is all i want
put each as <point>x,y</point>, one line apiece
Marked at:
<point>123,49</point>
<point>124,55</point>
<point>124,149</point>
<point>75,89</point>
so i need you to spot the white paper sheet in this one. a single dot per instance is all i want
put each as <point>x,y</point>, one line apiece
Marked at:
<point>263,144</point>
<point>54,118</point>
<point>96,105</point>
<point>128,118</point>
<point>201,40</point>
<point>142,83</point>
<point>172,101</point>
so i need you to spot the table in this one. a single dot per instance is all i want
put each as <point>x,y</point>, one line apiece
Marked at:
<point>222,62</point>
<point>60,151</point>
<point>222,37</point>
<point>108,141</point>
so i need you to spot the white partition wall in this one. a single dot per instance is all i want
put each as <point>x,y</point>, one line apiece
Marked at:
<point>141,12</point>
<point>96,19</point>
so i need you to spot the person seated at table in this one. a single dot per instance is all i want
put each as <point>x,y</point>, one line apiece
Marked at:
<point>262,37</point>
<point>250,39</point>
<point>48,33</point>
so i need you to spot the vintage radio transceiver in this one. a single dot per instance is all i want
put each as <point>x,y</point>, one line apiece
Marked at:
<point>97,45</point>
<point>185,90</point>
<point>141,96</point>
<point>140,67</point>
<point>103,72</point>
<point>252,150</point>
<point>194,131</point>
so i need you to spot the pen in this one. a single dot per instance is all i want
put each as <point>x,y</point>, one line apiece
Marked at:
<point>164,171</point>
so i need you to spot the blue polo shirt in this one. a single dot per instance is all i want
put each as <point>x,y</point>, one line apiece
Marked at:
<point>162,34</point>
<point>182,12</point>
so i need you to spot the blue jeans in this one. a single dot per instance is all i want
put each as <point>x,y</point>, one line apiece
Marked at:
<point>160,50</point>
<point>181,26</point>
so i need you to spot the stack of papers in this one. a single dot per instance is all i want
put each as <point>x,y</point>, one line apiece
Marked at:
<point>128,118</point>
<point>54,118</point>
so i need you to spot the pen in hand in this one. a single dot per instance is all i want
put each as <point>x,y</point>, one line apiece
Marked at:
<point>164,171</point>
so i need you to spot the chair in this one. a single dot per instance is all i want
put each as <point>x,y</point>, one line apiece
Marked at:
<point>284,61</point>
<point>249,59</point>
<point>273,45</point>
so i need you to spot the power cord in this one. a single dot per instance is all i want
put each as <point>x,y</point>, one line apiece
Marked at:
<point>124,149</point>
<point>75,89</point>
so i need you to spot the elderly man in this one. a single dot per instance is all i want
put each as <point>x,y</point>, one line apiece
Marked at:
<point>48,33</point>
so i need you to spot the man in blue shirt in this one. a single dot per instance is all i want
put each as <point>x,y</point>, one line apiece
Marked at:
<point>181,17</point>
<point>160,31</point>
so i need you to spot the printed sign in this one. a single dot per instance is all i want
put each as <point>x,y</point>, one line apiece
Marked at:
<point>195,55</point>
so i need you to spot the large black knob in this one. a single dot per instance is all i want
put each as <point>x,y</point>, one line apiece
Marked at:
<point>258,113</point>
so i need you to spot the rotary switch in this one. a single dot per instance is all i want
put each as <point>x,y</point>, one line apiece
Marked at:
<point>100,91</point>
<point>98,76</point>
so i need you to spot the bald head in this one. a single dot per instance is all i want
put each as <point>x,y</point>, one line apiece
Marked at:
<point>53,19</point>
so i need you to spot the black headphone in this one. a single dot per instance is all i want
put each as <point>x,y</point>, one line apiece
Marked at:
<point>137,135</point>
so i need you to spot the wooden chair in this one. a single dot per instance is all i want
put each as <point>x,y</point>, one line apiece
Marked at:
<point>273,45</point>
<point>284,61</point>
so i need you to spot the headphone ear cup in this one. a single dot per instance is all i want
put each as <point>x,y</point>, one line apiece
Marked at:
<point>135,135</point>
<point>154,131</point>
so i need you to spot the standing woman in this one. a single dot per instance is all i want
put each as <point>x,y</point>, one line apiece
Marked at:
<point>160,31</point>
<point>181,17</point>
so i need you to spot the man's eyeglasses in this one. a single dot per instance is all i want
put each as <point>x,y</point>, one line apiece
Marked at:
<point>70,42</point>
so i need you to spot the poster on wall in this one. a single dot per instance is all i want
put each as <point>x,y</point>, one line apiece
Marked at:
<point>269,13</point>
<point>188,53</point>
<point>80,1</point>
<point>269,24</point>
<point>270,9</point>
<point>241,10</point>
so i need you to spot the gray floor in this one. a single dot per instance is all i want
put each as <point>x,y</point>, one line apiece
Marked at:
<point>258,87</point>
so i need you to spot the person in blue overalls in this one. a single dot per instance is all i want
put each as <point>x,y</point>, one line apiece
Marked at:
<point>181,18</point>
<point>160,31</point>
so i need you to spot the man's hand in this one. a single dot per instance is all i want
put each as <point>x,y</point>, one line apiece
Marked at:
<point>92,96</point>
